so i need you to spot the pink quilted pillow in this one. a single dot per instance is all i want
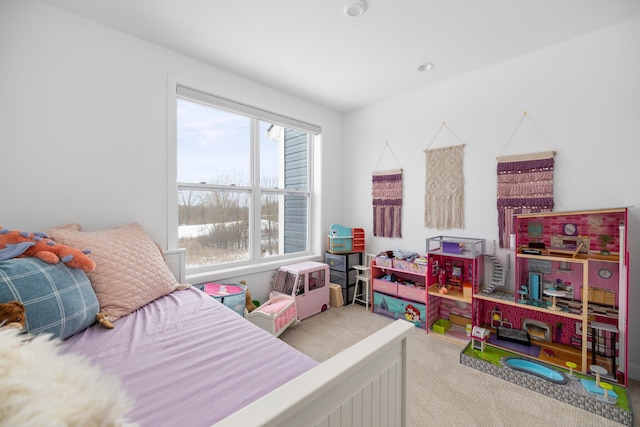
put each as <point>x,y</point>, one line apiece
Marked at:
<point>130,270</point>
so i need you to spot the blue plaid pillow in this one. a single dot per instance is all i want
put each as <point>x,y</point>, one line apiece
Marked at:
<point>59,300</point>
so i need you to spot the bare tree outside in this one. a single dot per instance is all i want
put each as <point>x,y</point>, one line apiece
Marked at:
<point>214,226</point>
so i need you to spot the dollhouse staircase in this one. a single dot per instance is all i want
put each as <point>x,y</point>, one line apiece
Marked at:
<point>499,276</point>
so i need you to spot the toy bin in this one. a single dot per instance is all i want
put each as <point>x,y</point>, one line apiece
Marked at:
<point>412,293</point>
<point>397,308</point>
<point>385,286</point>
<point>231,295</point>
<point>441,326</point>
<point>383,262</point>
<point>412,267</point>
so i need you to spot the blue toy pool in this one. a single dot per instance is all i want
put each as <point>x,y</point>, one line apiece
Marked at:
<point>531,367</point>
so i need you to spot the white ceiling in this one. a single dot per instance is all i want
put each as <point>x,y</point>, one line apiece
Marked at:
<point>310,49</point>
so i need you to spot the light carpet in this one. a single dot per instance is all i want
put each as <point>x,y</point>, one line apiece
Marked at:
<point>444,391</point>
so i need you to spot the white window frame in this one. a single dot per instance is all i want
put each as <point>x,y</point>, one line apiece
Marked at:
<point>255,264</point>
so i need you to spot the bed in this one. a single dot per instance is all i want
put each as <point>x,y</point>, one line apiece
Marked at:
<point>185,359</point>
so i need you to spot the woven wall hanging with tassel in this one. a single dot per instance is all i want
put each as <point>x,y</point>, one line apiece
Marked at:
<point>387,199</point>
<point>525,185</point>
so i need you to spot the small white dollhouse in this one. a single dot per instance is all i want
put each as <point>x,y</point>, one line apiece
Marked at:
<point>308,283</point>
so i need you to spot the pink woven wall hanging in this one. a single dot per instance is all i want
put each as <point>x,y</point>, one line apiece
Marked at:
<point>387,203</point>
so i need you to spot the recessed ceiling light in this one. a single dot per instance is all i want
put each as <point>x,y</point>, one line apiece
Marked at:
<point>425,66</point>
<point>355,8</point>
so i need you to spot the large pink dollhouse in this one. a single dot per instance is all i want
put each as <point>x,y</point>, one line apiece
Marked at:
<point>308,283</point>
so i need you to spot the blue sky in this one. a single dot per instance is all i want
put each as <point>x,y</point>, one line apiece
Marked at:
<point>213,146</point>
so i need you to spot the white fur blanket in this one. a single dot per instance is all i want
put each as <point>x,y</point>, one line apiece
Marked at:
<point>41,386</point>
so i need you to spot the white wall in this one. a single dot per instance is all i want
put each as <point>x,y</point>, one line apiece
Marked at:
<point>584,97</point>
<point>83,131</point>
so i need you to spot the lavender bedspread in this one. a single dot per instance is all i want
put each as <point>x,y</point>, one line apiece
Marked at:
<point>187,360</point>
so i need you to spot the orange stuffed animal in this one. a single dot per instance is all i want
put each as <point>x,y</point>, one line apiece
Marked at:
<point>248,303</point>
<point>12,315</point>
<point>18,244</point>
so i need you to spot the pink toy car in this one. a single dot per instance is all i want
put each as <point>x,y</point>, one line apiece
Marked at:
<point>308,283</point>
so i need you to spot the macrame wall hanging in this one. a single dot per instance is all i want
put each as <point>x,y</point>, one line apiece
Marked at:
<point>525,185</point>
<point>387,200</point>
<point>444,185</point>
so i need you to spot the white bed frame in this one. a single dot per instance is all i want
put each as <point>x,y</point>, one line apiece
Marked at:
<point>366,384</point>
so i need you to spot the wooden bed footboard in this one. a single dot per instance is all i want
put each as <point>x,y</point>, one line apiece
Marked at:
<point>366,384</point>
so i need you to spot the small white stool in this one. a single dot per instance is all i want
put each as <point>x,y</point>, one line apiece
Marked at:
<point>363,275</point>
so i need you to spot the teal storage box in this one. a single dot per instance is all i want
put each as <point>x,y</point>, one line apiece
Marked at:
<point>397,308</point>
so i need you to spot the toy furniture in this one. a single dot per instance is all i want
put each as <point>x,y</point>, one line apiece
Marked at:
<point>571,366</point>
<point>344,239</point>
<point>607,389</point>
<point>603,341</point>
<point>497,320</point>
<point>275,315</point>
<point>363,275</point>
<point>308,283</point>
<point>598,370</point>
<point>603,391</point>
<point>523,292</point>
<point>553,293</point>
<point>399,291</point>
<point>479,336</point>
<point>455,270</point>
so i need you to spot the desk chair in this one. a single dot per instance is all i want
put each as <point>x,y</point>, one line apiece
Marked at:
<point>363,275</point>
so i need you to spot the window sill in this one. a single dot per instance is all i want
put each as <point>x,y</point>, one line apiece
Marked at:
<point>226,273</point>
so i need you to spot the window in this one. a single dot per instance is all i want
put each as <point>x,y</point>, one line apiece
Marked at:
<point>244,180</point>
<point>285,282</point>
